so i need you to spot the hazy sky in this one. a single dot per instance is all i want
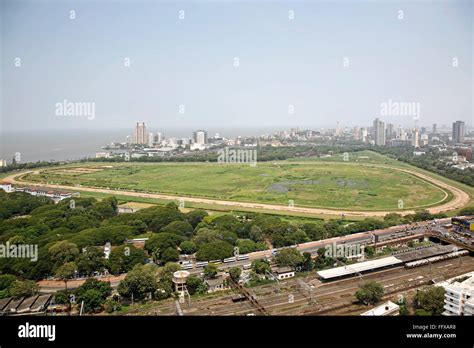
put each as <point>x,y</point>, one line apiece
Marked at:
<point>191,62</point>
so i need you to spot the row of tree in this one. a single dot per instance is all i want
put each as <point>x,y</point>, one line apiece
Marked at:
<point>426,302</point>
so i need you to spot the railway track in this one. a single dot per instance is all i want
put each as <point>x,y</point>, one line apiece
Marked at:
<point>329,297</point>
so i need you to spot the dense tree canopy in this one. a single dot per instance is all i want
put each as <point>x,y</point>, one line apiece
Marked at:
<point>370,292</point>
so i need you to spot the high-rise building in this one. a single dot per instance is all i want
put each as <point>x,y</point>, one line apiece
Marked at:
<point>140,136</point>
<point>458,132</point>
<point>363,133</point>
<point>400,132</point>
<point>356,133</point>
<point>435,128</point>
<point>200,137</point>
<point>128,139</point>
<point>379,132</point>
<point>158,138</point>
<point>338,129</point>
<point>390,131</point>
<point>415,138</point>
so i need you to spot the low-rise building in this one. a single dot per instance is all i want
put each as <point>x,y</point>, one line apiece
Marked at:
<point>6,186</point>
<point>137,242</point>
<point>216,284</point>
<point>102,155</point>
<point>283,272</point>
<point>56,196</point>
<point>387,309</point>
<point>126,209</point>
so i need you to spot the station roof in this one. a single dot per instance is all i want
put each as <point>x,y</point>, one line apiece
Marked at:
<point>359,267</point>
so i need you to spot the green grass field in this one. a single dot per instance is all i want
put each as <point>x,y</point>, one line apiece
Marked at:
<point>322,183</point>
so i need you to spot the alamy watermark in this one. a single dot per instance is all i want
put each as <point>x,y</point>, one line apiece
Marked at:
<point>347,251</point>
<point>392,108</point>
<point>246,156</point>
<point>20,251</point>
<point>78,109</point>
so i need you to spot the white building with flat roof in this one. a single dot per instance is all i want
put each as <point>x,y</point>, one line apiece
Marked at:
<point>387,309</point>
<point>459,295</point>
<point>283,272</point>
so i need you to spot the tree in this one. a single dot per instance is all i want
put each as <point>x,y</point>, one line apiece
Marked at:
<point>162,241</point>
<point>103,288</point>
<point>182,228</point>
<point>229,237</point>
<point>214,251</point>
<point>124,258</point>
<point>246,246</point>
<point>79,223</point>
<point>289,257</point>
<point>256,233</point>
<point>369,251</point>
<point>429,301</point>
<point>107,207</point>
<point>90,261</point>
<point>162,216</point>
<point>210,271</point>
<point>205,235</point>
<point>195,217</point>
<point>307,263</point>
<point>61,297</point>
<point>169,254</point>
<point>226,222</point>
<point>422,215</point>
<point>63,252</point>
<point>314,231</point>
<point>91,299</point>
<point>297,237</point>
<point>261,266</point>
<point>66,272</point>
<point>195,285</point>
<point>112,304</point>
<point>235,273</point>
<point>24,288</point>
<point>6,280</point>
<point>139,282</point>
<point>370,292</point>
<point>188,247</point>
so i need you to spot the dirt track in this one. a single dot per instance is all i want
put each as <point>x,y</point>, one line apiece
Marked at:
<point>459,199</point>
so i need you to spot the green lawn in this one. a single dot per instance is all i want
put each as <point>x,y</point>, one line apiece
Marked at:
<point>324,183</point>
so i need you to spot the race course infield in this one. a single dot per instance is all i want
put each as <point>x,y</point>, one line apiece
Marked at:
<point>443,197</point>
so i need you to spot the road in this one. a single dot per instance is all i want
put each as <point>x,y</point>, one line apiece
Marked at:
<point>47,286</point>
<point>459,197</point>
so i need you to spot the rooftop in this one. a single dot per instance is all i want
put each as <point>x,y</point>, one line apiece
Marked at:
<point>214,281</point>
<point>383,309</point>
<point>280,270</point>
<point>359,267</point>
